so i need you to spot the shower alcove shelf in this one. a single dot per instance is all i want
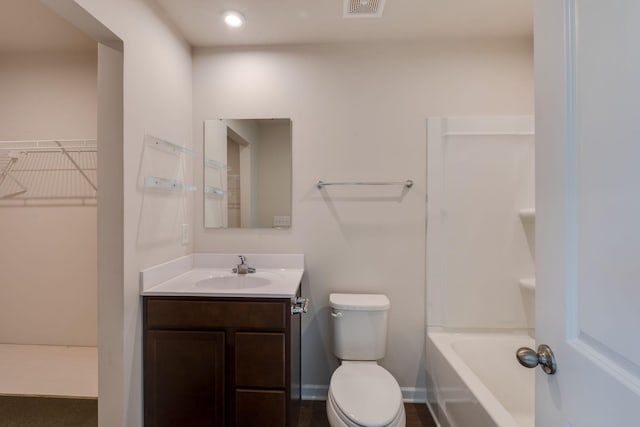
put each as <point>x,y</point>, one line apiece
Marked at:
<point>48,169</point>
<point>527,214</point>
<point>528,284</point>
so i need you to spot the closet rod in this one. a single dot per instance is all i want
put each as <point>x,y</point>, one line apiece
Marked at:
<point>51,145</point>
<point>407,184</point>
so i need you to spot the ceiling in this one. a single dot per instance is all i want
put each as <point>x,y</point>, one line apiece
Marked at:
<point>321,21</point>
<point>28,25</point>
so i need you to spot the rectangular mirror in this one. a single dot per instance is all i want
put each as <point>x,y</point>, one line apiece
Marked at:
<point>247,173</point>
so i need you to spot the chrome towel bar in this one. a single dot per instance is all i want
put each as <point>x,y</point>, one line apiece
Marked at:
<point>407,184</point>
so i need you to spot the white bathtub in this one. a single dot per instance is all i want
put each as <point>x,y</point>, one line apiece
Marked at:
<point>474,380</point>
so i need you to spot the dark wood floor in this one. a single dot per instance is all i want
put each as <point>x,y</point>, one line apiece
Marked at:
<point>313,413</point>
<point>52,412</point>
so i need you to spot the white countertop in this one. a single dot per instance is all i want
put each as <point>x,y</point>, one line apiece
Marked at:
<point>209,275</point>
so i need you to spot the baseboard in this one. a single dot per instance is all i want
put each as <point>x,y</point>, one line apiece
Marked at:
<point>314,392</point>
<point>414,394</point>
<point>319,392</point>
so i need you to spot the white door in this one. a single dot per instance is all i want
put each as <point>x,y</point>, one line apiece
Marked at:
<point>587,60</point>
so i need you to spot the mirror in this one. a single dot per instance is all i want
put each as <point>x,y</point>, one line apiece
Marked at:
<point>247,173</point>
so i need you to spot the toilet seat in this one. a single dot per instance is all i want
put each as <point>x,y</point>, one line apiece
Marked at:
<point>365,394</point>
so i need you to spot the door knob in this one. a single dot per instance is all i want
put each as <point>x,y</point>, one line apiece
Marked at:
<point>544,357</point>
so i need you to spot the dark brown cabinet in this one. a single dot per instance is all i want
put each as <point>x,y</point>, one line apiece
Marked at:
<point>221,362</point>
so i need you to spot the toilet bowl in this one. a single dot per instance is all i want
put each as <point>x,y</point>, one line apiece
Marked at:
<point>361,392</point>
<point>364,394</point>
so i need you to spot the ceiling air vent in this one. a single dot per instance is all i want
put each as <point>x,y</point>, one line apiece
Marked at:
<point>363,8</point>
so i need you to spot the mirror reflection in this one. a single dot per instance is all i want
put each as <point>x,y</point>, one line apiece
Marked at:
<point>247,173</point>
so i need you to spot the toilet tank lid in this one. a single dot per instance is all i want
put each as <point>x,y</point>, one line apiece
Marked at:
<point>361,302</point>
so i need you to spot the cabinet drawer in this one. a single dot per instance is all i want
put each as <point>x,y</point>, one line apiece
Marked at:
<point>260,359</point>
<point>170,313</point>
<point>261,408</point>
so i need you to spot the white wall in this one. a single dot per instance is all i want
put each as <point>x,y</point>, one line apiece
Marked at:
<point>157,101</point>
<point>358,112</point>
<point>110,236</point>
<point>48,292</point>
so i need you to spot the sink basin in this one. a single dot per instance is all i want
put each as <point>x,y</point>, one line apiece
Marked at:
<point>235,281</point>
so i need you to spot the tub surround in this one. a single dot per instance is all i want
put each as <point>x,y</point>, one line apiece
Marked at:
<point>480,244</point>
<point>209,275</point>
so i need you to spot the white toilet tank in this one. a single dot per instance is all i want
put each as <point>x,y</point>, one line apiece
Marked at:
<point>359,323</point>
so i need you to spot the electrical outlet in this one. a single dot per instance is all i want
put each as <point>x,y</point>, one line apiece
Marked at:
<point>282,221</point>
<point>185,234</point>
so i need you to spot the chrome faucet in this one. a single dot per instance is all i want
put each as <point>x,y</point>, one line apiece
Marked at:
<point>243,268</point>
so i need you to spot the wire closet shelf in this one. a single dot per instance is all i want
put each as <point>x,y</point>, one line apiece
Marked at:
<point>48,169</point>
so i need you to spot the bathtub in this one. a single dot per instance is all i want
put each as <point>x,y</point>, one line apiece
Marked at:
<point>474,380</point>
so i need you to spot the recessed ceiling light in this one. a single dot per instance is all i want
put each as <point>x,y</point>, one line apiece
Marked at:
<point>233,19</point>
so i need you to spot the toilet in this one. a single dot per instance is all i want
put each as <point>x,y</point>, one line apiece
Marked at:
<point>361,392</point>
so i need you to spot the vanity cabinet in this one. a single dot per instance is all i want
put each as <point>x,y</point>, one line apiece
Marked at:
<point>221,362</point>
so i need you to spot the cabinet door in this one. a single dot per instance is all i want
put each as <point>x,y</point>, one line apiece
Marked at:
<point>184,378</point>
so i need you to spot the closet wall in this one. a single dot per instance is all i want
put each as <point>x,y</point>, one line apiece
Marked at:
<point>48,292</point>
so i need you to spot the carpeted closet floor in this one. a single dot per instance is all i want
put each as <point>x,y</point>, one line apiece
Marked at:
<point>21,411</point>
